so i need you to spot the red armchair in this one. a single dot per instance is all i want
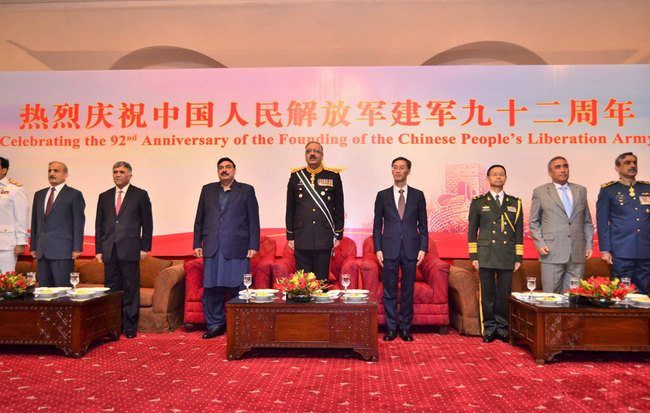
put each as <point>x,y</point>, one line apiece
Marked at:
<point>342,262</point>
<point>260,268</point>
<point>430,296</point>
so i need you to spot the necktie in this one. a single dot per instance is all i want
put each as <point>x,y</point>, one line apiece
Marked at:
<point>401,204</point>
<point>566,201</point>
<point>50,201</point>
<point>498,200</point>
<point>118,205</point>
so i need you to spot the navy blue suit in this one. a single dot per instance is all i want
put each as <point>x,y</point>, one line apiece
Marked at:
<point>55,237</point>
<point>399,240</point>
<point>225,235</point>
<point>233,231</point>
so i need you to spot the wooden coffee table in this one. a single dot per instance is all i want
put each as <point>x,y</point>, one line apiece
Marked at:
<point>278,324</point>
<point>549,330</point>
<point>70,325</point>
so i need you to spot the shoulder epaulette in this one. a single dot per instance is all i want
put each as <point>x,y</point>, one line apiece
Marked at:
<point>335,170</point>
<point>606,184</point>
<point>297,169</point>
<point>643,182</point>
<point>479,196</point>
<point>15,183</point>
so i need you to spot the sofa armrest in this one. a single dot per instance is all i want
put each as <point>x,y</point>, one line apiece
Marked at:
<point>351,266</point>
<point>436,274</point>
<point>369,269</point>
<point>194,279</point>
<point>169,289</point>
<point>282,268</point>
<point>463,291</point>
<point>262,273</point>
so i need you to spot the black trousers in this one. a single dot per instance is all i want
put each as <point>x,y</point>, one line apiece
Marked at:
<point>494,299</point>
<point>390,281</point>
<point>120,275</point>
<point>54,273</point>
<point>316,261</point>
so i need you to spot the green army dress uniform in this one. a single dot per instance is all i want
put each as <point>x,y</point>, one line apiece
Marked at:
<point>495,238</point>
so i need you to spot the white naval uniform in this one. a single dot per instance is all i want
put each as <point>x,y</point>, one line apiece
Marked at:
<point>14,215</point>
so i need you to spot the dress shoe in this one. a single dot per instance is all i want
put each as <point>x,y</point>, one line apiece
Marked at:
<point>131,335</point>
<point>488,337</point>
<point>390,335</point>
<point>503,337</point>
<point>405,335</point>
<point>216,331</point>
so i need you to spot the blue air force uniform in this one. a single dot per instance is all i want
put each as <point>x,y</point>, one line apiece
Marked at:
<point>623,219</point>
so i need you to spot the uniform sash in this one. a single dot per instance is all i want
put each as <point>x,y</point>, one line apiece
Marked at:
<point>317,199</point>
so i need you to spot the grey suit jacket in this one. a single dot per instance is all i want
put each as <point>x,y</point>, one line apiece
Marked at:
<point>567,238</point>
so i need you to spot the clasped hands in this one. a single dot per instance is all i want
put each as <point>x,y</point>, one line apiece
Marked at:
<point>380,258</point>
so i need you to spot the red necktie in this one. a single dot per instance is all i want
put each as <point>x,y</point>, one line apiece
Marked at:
<point>119,203</point>
<point>50,201</point>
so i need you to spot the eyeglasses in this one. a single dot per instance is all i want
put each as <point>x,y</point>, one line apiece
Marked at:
<point>313,151</point>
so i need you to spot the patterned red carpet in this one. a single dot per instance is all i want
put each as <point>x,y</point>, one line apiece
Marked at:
<point>180,372</point>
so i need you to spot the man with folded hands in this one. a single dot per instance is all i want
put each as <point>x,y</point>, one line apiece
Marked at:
<point>123,237</point>
<point>495,240</point>
<point>401,239</point>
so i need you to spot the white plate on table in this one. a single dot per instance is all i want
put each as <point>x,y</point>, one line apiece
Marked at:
<point>643,301</point>
<point>264,290</point>
<point>549,298</point>
<point>263,300</point>
<point>356,292</point>
<point>50,292</point>
<point>82,293</point>
<point>635,295</point>
<point>355,297</point>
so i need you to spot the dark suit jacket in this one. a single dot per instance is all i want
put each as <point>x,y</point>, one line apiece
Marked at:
<point>131,230</point>
<point>233,231</point>
<point>412,230</point>
<point>63,231</point>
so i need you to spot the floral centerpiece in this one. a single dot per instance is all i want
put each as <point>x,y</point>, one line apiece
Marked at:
<point>300,286</point>
<point>14,284</point>
<point>601,290</point>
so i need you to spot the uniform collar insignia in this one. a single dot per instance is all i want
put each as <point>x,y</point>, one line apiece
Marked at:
<point>315,171</point>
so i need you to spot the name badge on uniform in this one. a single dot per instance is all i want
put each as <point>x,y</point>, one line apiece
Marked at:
<point>325,182</point>
<point>645,200</point>
<point>512,209</point>
<point>485,208</point>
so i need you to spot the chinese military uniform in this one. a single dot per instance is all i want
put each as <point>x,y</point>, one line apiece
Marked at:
<point>495,238</point>
<point>623,219</point>
<point>14,215</point>
<point>314,217</point>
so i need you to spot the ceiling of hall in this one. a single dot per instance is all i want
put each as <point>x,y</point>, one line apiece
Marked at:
<point>90,35</point>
